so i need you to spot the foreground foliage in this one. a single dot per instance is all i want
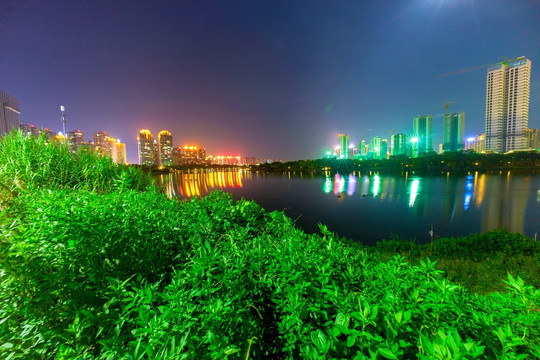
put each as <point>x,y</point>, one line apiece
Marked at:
<point>480,262</point>
<point>126,274</point>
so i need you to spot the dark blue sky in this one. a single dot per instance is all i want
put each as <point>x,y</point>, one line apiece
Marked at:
<point>259,78</point>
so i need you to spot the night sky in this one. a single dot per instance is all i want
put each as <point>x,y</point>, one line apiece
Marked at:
<point>259,78</point>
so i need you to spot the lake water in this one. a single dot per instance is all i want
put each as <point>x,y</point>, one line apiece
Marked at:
<point>369,207</point>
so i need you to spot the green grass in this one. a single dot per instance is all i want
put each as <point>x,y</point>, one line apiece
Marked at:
<point>116,272</point>
<point>480,262</point>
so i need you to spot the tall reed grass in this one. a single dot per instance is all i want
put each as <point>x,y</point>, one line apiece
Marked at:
<point>29,163</point>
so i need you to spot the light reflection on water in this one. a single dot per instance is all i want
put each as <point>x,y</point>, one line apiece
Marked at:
<point>201,182</point>
<point>371,206</point>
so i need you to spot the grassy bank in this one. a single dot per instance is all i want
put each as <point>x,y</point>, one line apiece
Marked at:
<point>118,271</point>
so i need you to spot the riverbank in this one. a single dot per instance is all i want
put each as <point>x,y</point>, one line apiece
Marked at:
<point>454,162</point>
<point>97,263</point>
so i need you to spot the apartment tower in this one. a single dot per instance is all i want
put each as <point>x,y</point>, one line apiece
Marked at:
<point>147,148</point>
<point>422,135</point>
<point>399,144</point>
<point>507,105</point>
<point>165,146</point>
<point>343,146</point>
<point>453,132</point>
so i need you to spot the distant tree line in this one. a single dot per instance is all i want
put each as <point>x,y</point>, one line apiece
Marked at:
<point>430,163</point>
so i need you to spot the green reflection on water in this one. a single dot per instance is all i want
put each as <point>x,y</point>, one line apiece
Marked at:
<point>414,189</point>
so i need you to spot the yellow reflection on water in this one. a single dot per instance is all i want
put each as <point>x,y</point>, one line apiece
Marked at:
<point>202,182</point>
<point>480,190</point>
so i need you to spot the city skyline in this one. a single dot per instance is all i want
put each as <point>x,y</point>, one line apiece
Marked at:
<point>244,77</point>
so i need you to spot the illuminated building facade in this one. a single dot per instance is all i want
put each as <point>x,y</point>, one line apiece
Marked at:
<point>9,113</point>
<point>364,148</point>
<point>165,145</point>
<point>399,144</point>
<point>343,146</point>
<point>75,140</point>
<point>384,149</point>
<point>119,152</point>
<point>375,147</point>
<point>507,105</point>
<point>29,130</point>
<point>422,134</point>
<point>476,143</point>
<point>102,145</point>
<point>189,155</point>
<point>147,148</point>
<point>453,132</point>
<point>533,138</point>
<point>224,160</point>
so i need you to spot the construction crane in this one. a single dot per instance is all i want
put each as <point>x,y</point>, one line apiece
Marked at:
<point>505,63</point>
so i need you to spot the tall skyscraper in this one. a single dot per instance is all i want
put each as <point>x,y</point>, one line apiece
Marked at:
<point>507,105</point>
<point>399,144</point>
<point>9,113</point>
<point>165,146</point>
<point>343,146</point>
<point>75,140</point>
<point>363,148</point>
<point>422,135</point>
<point>147,148</point>
<point>384,149</point>
<point>119,152</point>
<point>102,144</point>
<point>375,147</point>
<point>453,132</point>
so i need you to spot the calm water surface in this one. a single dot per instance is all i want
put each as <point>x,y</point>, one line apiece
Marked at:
<point>369,207</point>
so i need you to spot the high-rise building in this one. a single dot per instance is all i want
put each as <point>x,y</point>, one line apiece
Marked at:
<point>422,136</point>
<point>119,152</point>
<point>363,148</point>
<point>102,144</point>
<point>75,140</point>
<point>507,105</point>
<point>384,149</point>
<point>375,147</point>
<point>343,146</point>
<point>453,132</point>
<point>165,146</point>
<point>9,113</point>
<point>147,148</point>
<point>29,130</point>
<point>399,144</point>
